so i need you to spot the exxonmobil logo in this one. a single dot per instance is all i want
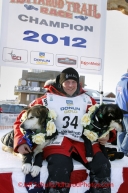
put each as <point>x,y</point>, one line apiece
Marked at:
<point>91,63</point>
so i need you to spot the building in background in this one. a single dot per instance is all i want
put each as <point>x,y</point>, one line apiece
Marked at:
<point>30,86</point>
<point>109,94</point>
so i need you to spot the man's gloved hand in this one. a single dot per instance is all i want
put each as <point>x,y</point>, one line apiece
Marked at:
<point>113,154</point>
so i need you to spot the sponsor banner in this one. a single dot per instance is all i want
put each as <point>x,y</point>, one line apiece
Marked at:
<point>7,120</point>
<point>54,34</point>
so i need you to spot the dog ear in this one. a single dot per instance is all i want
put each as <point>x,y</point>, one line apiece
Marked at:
<point>119,109</point>
<point>124,112</point>
<point>43,114</point>
<point>101,111</point>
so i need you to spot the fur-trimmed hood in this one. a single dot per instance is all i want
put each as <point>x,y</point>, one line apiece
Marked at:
<point>50,82</point>
<point>53,86</point>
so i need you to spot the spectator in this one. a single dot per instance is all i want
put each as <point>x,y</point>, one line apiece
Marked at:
<point>1,109</point>
<point>122,101</point>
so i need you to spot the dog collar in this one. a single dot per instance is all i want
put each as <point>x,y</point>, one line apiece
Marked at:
<point>27,137</point>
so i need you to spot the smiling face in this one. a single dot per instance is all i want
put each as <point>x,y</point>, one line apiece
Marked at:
<point>70,86</point>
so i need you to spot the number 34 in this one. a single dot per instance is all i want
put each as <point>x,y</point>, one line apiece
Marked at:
<point>52,39</point>
<point>74,122</point>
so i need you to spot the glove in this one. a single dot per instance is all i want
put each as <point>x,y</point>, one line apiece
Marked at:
<point>113,154</point>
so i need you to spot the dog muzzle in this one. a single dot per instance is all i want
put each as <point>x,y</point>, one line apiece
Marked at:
<point>117,125</point>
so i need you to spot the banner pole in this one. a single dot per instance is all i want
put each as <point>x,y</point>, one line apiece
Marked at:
<point>0,77</point>
<point>101,90</point>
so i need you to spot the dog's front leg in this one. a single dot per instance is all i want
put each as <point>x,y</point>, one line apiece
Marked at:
<point>88,147</point>
<point>27,160</point>
<point>37,164</point>
<point>117,126</point>
<point>26,168</point>
<point>35,170</point>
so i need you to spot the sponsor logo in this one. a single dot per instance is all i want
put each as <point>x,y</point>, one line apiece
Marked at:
<point>70,76</point>
<point>41,58</point>
<point>90,63</point>
<point>14,56</point>
<point>69,108</point>
<point>41,61</point>
<point>41,55</point>
<point>69,102</point>
<point>66,61</point>
<point>51,98</point>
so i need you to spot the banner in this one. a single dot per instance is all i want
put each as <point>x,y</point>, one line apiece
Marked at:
<point>54,34</point>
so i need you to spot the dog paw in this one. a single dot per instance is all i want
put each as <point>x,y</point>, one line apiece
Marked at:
<point>7,149</point>
<point>26,168</point>
<point>89,159</point>
<point>35,171</point>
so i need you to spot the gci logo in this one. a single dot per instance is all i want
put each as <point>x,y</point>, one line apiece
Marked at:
<point>14,57</point>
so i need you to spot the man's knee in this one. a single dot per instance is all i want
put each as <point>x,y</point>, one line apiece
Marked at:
<point>100,165</point>
<point>60,167</point>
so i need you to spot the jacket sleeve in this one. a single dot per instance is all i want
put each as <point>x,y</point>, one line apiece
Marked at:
<point>93,103</point>
<point>17,132</point>
<point>112,136</point>
<point>18,140</point>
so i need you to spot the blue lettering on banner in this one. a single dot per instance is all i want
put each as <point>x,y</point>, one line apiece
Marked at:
<point>34,37</point>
